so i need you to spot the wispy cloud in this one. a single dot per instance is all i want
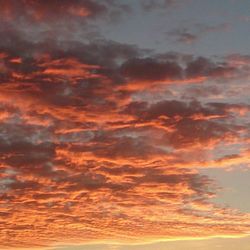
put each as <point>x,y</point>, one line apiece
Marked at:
<point>196,32</point>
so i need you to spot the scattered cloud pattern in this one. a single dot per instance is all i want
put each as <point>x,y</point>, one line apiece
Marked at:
<point>104,141</point>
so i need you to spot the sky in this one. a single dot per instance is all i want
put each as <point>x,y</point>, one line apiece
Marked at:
<point>124,124</point>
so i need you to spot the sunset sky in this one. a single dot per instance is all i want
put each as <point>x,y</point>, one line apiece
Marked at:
<point>125,124</point>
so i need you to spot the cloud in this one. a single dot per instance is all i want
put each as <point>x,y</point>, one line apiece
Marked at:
<point>187,124</point>
<point>196,32</point>
<point>148,69</point>
<point>92,147</point>
<point>202,66</point>
<point>36,11</point>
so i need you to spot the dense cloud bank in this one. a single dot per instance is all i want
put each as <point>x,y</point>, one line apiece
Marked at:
<point>104,141</point>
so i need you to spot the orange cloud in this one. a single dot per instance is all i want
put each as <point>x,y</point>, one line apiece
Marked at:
<point>90,153</point>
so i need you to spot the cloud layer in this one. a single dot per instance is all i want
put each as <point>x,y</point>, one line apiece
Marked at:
<point>103,141</point>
